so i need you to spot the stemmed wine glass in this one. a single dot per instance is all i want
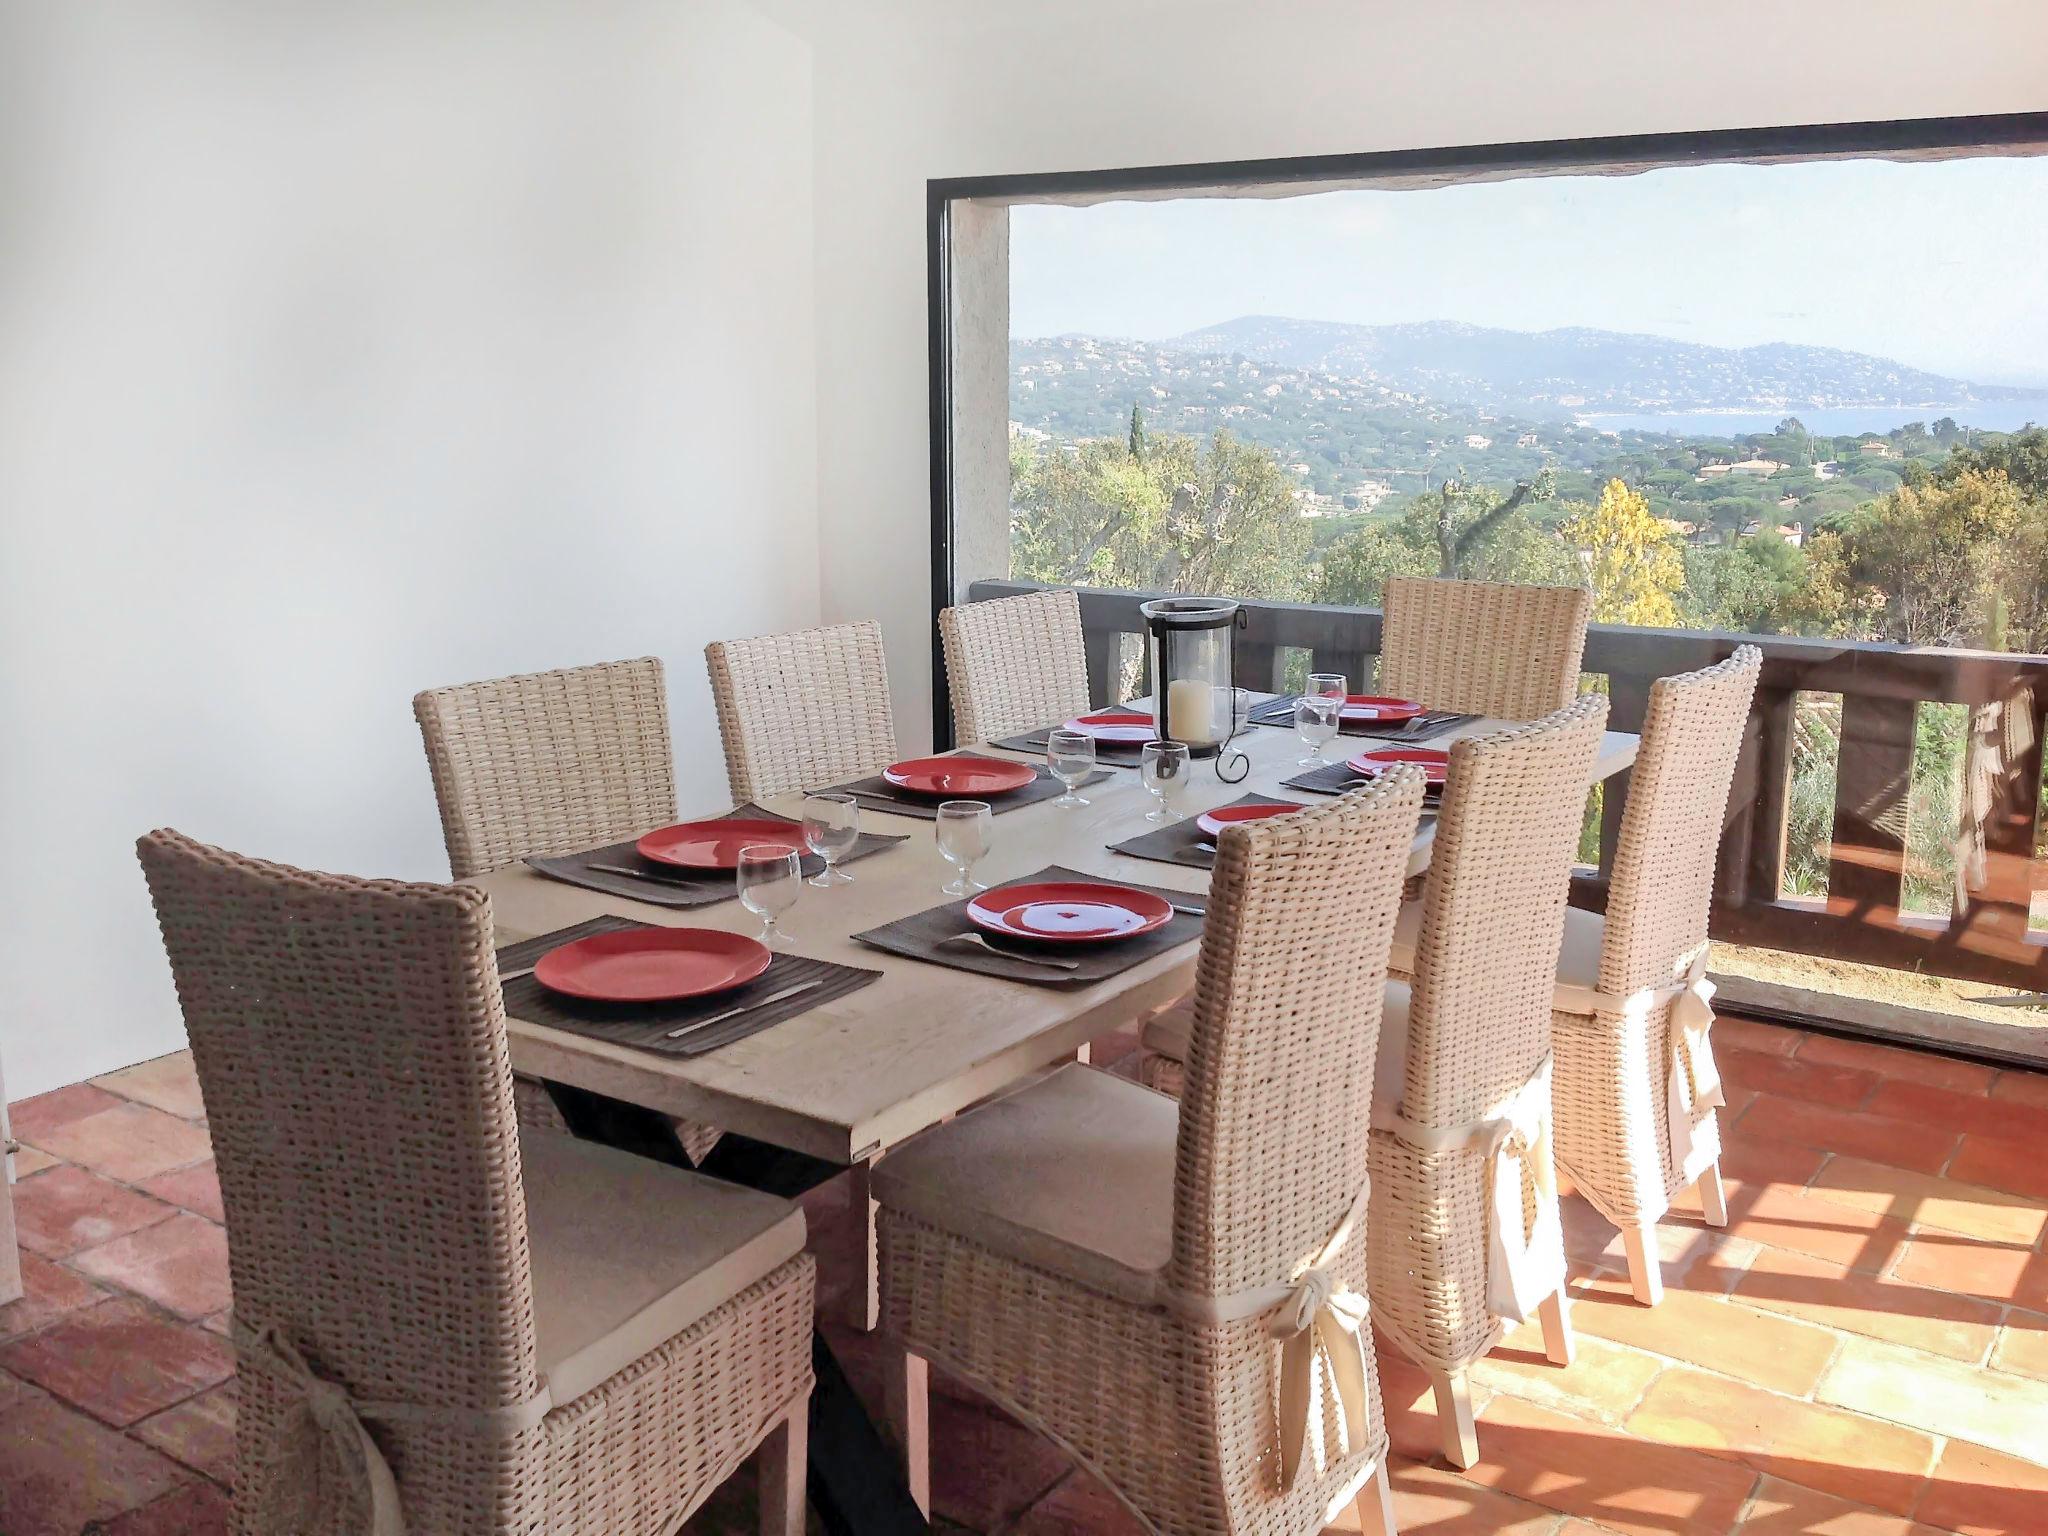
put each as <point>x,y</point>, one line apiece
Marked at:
<point>1071,756</point>
<point>771,877</point>
<point>964,828</point>
<point>1163,765</point>
<point>1318,713</point>
<point>831,828</point>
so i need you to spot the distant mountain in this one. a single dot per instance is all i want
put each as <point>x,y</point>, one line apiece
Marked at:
<point>1557,373</point>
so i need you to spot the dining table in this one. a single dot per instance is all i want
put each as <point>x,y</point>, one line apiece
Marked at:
<point>834,1088</point>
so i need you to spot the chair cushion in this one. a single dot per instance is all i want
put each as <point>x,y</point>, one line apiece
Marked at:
<point>1578,963</point>
<point>627,1253</point>
<point>1072,1174</point>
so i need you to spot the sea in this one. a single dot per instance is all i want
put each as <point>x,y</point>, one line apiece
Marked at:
<point>1985,415</point>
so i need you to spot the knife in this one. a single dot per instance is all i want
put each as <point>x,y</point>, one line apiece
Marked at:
<point>642,874</point>
<point>732,1013</point>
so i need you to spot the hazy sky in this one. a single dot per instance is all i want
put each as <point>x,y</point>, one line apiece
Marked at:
<point>1941,265</point>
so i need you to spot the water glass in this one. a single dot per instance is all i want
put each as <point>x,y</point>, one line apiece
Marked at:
<point>1164,768</point>
<point>1316,718</point>
<point>831,828</point>
<point>771,877</point>
<point>1071,756</point>
<point>964,831</point>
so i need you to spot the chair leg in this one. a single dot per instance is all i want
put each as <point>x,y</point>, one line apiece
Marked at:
<point>1081,1053</point>
<point>1645,1270</point>
<point>1376,1505</point>
<point>864,1292</point>
<point>1558,1345</point>
<point>784,1459</point>
<point>906,1391</point>
<point>1454,1417</point>
<point>1713,1198</point>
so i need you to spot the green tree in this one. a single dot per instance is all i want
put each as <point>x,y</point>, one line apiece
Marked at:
<point>1634,562</point>
<point>1137,443</point>
<point>1948,560</point>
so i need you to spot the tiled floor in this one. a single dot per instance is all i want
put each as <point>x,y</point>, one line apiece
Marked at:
<point>1862,1352</point>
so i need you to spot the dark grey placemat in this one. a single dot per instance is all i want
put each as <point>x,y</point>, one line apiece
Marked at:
<point>919,936</point>
<point>878,794</point>
<point>1183,841</point>
<point>1112,754</point>
<point>645,1026</point>
<point>1421,728</point>
<point>1341,779</point>
<point>668,885</point>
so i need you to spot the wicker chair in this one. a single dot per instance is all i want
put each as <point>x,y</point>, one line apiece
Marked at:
<point>1015,664</point>
<point>1465,1229</point>
<point>1143,1285</point>
<point>498,1334</point>
<point>545,763</point>
<point>802,710</point>
<point>1489,648</point>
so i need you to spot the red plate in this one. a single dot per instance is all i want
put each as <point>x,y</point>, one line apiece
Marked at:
<point>717,844</point>
<point>651,965</point>
<point>1213,822</point>
<point>1436,766</point>
<point>1115,725</point>
<point>1068,911</point>
<point>1374,706</point>
<point>959,775</point>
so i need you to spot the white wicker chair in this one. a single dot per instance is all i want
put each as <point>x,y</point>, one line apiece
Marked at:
<point>802,710</point>
<point>1507,651</point>
<point>1015,664</point>
<point>1143,1286</point>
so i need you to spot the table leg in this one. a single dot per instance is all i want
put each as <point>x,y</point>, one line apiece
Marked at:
<point>856,1482</point>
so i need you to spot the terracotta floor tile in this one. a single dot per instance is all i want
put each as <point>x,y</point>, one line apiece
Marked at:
<point>129,1142</point>
<point>1760,1038</point>
<point>1896,1064</point>
<point>1783,1218</point>
<point>200,1432</point>
<point>1409,1404</point>
<point>1994,1271</point>
<point>46,1113</point>
<point>168,1083</point>
<point>1775,1352</point>
<point>1944,1397</point>
<point>1852,1133</point>
<point>1779,1508</point>
<point>987,1468</point>
<point>1993,1116</point>
<point>1837,1452</point>
<point>1621,1484</point>
<point>1998,1164</point>
<point>1983,1493</point>
<point>197,1509</point>
<point>1435,1501</point>
<point>1792,1078</point>
<point>60,1470</point>
<point>180,1264</point>
<point>120,1361</point>
<point>1077,1505</point>
<point>197,1189</point>
<point>1833,1296</point>
<point>2015,1086</point>
<point>2022,1346</point>
<point>62,1210</point>
<point>1604,1382</point>
<point>48,1292</point>
<point>28,1160</point>
<point>1922,1200</point>
<point>1751,1155</point>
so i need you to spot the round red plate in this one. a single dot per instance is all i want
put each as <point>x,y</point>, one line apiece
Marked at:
<point>1115,725</point>
<point>716,844</point>
<point>959,775</point>
<point>649,965</point>
<point>1436,766</point>
<point>1213,822</point>
<point>1068,912</point>
<point>1373,706</point>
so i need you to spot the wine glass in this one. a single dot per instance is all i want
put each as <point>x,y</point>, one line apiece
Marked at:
<point>963,830</point>
<point>831,828</point>
<point>771,877</point>
<point>1163,765</point>
<point>1071,755</point>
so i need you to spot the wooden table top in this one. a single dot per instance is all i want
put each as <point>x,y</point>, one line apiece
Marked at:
<point>863,1072</point>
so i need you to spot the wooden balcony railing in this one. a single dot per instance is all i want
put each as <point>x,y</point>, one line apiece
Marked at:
<point>1985,938</point>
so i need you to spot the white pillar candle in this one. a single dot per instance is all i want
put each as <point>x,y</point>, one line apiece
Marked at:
<point>1190,711</point>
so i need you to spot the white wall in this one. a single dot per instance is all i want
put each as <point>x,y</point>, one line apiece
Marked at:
<point>922,88</point>
<point>347,349</point>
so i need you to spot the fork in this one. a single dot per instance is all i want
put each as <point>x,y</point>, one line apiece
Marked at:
<point>1047,961</point>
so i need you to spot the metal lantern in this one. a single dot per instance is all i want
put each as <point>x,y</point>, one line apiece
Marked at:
<point>1191,653</point>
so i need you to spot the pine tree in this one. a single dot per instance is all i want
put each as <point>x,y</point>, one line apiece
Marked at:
<point>1137,432</point>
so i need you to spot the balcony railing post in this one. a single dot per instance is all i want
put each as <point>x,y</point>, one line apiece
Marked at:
<point>1628,700</point>
<point>1753,851</point>
<point>1873,777</point>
